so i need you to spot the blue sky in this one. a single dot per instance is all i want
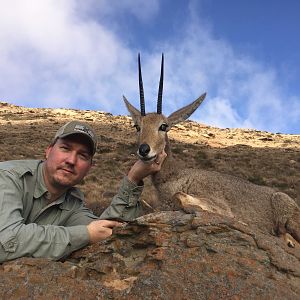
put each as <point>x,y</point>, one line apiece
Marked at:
<point>83,55</point>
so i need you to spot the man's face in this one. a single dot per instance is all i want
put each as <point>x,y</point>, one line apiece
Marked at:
<point>67,162</point>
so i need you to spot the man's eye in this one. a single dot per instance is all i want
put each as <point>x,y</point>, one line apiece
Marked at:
<point>84,157</point>
<point>163,127</point>
<point>137,127</point>
<point>64,148</point>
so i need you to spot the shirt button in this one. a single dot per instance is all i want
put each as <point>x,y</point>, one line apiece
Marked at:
<point>11,244</point>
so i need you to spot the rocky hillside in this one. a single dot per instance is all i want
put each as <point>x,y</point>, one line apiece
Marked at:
<point>169,255</point>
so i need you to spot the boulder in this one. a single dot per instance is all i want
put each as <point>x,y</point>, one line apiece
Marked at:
<point>165,255</point>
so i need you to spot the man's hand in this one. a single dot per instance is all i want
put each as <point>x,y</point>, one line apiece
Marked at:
<point>140,169</point>
<point>101,229</point>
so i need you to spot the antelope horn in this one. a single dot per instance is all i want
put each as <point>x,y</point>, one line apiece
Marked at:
<point>142,99</point>
<point>161,85</point>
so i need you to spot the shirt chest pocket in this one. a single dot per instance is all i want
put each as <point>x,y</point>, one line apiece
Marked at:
<point>52,216</point>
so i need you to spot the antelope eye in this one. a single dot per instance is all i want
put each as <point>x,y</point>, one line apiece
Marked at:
<point>137,127</point>
<point>163,127</point>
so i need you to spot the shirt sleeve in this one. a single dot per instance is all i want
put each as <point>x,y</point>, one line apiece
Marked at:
<point>18,239</point>
<point>125,205</point>
<point>81,216</point>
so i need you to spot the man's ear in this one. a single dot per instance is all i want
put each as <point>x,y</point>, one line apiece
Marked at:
<point>47,151</point>
<point>92,162</point>
<point>91,165</point>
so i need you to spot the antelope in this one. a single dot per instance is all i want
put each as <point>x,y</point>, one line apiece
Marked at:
<point>196,189</point>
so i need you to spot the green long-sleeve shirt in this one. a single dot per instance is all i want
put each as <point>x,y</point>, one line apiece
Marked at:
<point>30,226</point>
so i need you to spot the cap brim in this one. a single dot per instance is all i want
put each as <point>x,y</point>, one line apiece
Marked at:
<point>88,138</point>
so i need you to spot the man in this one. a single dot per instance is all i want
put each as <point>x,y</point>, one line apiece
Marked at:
<point>42,213</point>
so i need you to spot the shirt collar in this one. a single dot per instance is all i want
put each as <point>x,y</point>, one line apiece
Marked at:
<point>40,187</point>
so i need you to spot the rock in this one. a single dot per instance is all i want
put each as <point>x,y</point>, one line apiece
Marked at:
<point>208,135</point>
<point>266,139</point>
<point>165,255</point>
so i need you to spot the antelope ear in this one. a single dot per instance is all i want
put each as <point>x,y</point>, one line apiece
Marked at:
<point>183,113</point>
<point>135,113</point>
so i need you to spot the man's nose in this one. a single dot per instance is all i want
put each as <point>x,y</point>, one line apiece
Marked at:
<point>71,158</point>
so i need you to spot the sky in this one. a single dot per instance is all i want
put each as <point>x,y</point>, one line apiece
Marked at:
<point>83,55</point>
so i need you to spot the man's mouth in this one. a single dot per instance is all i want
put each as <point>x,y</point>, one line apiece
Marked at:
<point>66,170</point>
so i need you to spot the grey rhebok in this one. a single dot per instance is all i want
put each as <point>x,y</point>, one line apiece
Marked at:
<point>258,206</point>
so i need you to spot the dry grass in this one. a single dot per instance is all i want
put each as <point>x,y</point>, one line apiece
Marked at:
<point>260,157</point>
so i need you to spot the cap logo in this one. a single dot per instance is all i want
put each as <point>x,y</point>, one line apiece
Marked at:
<point>81,128</point>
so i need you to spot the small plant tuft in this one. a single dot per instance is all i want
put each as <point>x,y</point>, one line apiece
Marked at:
<point>201,158</point>
<point>201,155</point>
<point>257,179</point>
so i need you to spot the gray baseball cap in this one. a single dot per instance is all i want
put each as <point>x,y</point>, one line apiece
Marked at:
<point>76,127</point>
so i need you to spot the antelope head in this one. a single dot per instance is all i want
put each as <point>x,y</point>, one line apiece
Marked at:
<point>152,128</point>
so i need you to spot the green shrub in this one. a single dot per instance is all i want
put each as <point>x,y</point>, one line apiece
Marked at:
<point>257,179</point>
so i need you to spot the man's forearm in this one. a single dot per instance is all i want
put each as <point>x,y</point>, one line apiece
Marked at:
<point>47,241</point>
<point>125,205</point>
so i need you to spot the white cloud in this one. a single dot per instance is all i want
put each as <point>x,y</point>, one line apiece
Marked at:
<point>71,53</point>
<point>221,112</point>
<point>50,54</point>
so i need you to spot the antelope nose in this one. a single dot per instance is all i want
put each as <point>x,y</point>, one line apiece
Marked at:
<point>144,149</point>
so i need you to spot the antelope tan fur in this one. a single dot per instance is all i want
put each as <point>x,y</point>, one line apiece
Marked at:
<point>196,189</point>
